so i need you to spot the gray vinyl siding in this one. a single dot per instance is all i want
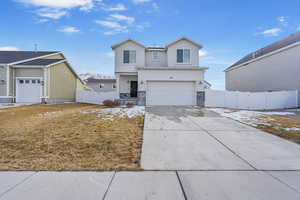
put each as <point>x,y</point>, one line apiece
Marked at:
<point>106,87</point>
<point>280,71</point>
<point>3,77</point>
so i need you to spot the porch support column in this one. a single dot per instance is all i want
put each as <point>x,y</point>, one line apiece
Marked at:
<point>7,80</point>
<point>118,84</point>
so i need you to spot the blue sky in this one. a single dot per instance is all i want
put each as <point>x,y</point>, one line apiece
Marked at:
<point>84,30</point>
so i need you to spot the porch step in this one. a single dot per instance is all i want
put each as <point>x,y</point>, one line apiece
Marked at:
<point>126,101</point>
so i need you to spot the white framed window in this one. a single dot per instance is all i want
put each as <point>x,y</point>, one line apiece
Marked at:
<point>101,85</point>
<point>155,56</point>
<point>129,56</point>
<point>114,86</point>
<point>21,81</point>
<point>183,56</point>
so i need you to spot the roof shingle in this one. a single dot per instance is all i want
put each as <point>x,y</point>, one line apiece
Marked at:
<point>41,62</point>
<point>7,57</point>
<point>294,38</point>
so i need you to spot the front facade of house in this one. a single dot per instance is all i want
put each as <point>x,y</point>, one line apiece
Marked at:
<point>167,75</point>
<point>273,68</point>
<point>36,77</point>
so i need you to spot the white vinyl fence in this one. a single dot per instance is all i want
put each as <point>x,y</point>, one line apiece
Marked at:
<point>251,100</point>
<point>92,97</point>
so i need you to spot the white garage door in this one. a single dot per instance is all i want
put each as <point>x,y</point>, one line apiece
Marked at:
<point>170,93</point>
<point>28,91</point>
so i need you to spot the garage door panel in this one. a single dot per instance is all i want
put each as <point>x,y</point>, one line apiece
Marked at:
<point>28,91</point>
<point>170,93</point>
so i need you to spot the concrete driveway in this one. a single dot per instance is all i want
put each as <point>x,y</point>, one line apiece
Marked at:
<point>188,153</point>
<point>187,138</point>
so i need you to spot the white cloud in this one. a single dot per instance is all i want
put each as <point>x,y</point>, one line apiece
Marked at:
<point>140,1</point>
<point>40,21</point>
<point>83,4</point>
<point>202,53</point>
<point>114,27</point>
<point>55,9</point>
<point>8,48</point>
<point>298,29</point>
<point>108,24</point>
<point>51,13</point>
<point>69,29</point>
<point>271,32</point>
<point>122,18</point>
<point>118,7</point>
<point>282,20</point>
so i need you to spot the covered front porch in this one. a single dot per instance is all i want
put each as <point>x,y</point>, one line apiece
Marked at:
<point>127,86</point>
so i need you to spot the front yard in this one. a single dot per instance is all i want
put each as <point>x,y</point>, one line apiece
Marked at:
<point>285,124</point>
<point>70,137</point>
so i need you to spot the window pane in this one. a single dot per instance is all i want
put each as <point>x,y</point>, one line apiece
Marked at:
<point>132,57</point>
<point>26,81</point>
<point>38,81</point>
<point>186,56</point>
<point>21,81</point>
<point>33,81</point>
<point>126,56</point>
<point>179,55</point>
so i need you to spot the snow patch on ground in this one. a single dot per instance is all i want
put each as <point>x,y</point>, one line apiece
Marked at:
<point>119,112</point>
<point>253,118</point>
<point>11,105</point>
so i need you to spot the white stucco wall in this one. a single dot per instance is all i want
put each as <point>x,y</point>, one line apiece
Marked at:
<point>161,62</point>
<point>170,75</point>
<point>183,44</point>
<point>140,57</point>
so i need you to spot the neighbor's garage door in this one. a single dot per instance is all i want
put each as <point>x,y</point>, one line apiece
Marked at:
<point>170,93</point>
<point>28,91</point>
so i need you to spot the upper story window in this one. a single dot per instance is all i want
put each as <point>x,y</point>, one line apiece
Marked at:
<point>183,56</point>
<point>129,56</point>
<point>155,56</point>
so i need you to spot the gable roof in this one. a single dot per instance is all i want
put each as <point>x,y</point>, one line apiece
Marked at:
<point>41,62</point>
<point>187,39</point>
<point>8,57</point>
<point>290,40</point>
<point>125,41</point>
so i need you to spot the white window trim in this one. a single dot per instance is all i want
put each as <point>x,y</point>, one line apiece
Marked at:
<point>188,63</point>
<point>129,56</point>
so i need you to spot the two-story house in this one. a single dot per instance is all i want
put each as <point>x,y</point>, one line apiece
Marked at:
<point>167,75</point>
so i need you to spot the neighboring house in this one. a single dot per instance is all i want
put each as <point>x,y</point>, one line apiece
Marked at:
<point>37,76</point>
<point>272,68</point>
<point>167,75</point>
<point>100,83</point>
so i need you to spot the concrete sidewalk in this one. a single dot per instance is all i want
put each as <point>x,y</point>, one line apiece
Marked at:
<point>156,185</point>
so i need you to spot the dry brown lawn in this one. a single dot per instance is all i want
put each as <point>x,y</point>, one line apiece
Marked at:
<point>279,125</point>
<point>61,137</point>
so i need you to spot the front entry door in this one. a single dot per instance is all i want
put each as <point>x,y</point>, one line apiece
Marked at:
<point>133,88</point>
